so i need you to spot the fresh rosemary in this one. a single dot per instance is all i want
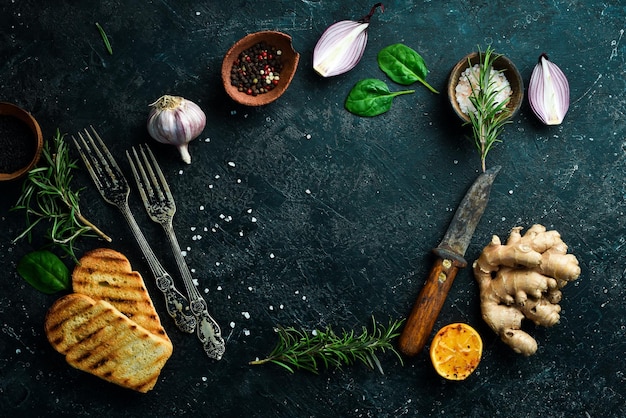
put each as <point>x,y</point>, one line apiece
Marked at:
<point>47,195</point>
<point>298,349</point>
<point>490,116</point>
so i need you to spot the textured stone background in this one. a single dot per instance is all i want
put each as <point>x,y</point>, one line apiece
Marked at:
<point>300,213</point>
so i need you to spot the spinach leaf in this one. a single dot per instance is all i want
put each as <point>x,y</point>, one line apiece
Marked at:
<point>371,97</point>
<point>403,65</point>
<point>44,271</point>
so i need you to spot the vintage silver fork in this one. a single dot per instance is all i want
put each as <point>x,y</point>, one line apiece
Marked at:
<point>114,188</point>
<point>160,205</point>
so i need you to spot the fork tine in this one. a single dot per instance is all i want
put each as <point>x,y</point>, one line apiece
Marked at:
<point>145,189</point>
<point>83,151</point>
<point>108,162</point>
<point>100,163</point>
<point>165,188</point>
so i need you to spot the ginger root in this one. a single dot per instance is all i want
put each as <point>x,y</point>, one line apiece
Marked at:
<point>522,279</point>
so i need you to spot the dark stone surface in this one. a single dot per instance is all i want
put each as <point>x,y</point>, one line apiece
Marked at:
<point>332,228</point>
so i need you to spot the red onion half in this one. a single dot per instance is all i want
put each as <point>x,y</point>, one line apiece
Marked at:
<point>548,92</point>
<point>341,46</point>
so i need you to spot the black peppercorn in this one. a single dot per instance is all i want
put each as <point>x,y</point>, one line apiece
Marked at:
<point>257,69</point>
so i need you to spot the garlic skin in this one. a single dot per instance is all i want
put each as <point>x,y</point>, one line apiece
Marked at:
<point>548,92</point>
<point>176,121</point>
<point>342,45</point>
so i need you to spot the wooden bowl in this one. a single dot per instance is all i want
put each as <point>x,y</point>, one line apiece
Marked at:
<point>501,63</point>
<point>33,148</point>
<point>289,59</point>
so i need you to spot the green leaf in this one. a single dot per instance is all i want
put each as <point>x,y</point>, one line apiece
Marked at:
<point>44,271</point>
<point>403,65</point>
<point>371,97</point>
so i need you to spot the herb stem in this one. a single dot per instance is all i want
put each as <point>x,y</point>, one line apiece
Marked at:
<point>47,195</point>
<point>490,116</point>
<point>297,349</point>
<point>93,227</point>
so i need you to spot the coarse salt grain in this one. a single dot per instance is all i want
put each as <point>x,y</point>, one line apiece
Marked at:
<point>468,81</point>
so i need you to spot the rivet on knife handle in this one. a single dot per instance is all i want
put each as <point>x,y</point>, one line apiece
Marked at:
<point>426,309</point>
<point>449,260</point>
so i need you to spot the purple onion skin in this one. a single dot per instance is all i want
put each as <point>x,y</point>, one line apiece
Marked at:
<point>548,92</point>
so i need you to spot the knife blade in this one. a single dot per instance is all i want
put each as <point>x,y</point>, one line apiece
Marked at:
<point>449,259</point>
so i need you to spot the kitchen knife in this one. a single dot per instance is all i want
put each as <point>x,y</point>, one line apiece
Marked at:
<point>449,253</point>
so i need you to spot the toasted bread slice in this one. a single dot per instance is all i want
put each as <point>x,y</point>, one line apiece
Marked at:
<point>105,274</point>
<point>97,338</point>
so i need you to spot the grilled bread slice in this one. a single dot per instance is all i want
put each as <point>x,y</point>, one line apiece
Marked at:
<point>105,274</point>
<point>97,338</point>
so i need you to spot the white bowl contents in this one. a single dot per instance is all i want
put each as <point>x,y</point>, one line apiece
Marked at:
<point>468,82</point>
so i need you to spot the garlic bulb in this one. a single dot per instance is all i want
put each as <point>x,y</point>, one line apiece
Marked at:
<point>548,92</point>
<point>176,121</point>
<point>341,46</point>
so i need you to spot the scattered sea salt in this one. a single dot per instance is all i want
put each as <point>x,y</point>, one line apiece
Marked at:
<point>232,325</point>
<point>246,332</point>
<point>231,164</point>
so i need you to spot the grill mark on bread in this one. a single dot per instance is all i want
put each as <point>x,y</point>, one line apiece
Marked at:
<point>97,338</point>
<point>105,274</point>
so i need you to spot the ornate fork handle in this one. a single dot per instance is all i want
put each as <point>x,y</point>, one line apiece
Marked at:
<point>175,302</point>
<point>208,330</point>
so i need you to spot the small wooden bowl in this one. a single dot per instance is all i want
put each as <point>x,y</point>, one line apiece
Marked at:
<point>11,110</point>
<point>289,60</point>
<point>501,63</point>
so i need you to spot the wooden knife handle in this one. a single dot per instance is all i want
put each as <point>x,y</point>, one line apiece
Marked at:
<point>429,302</point>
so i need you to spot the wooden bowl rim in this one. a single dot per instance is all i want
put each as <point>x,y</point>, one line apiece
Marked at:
<point>501,63</point>
<point>290,61</point>
<point>10,109</point>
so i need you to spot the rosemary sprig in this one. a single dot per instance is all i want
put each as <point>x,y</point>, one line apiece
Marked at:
<point>47,195</point>
<point>490,116</point>
<point>298,349</point>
